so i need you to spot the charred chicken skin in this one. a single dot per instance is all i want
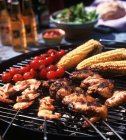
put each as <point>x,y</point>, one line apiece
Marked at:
<point>97,85</point>
<point>118,97</point>
<point>57,85</point>
<point>100,111</point>
<point>93,110</point>
<point>46,109</point>
<point>67,90</point>
<point>87,105</point>
<point>47,83</point>
<point>77,98</point>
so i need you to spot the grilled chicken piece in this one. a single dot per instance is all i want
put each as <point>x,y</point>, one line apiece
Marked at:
<point>46,103</point>
<point>22,105</point>
<point>81,74</point>
<point>77,98</point>
<point>46,84</point>
<point>93,110</point>
<point>95,85</point>
<point>46,109</point>
<point>67,90</point>
<point>57,85</point>
<point>101,114</point>
<point>87,105</point>
<point>48,114</point>
<point>118,97</point>
<point>22,85</point>
<point>28,95</point>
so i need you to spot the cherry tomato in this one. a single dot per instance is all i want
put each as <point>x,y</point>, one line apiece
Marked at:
<point>13,71</point>
<point>27,75</point>
<point>42,67</point>
<point>37,58</point>
<point>42,74</point>
<point>35,64</point>
<point>51,67</point>
<point>53,57</point>
<point>44,55</point>
<point>60,53</point>
<point>23,69</point>
<point>33,72</point>
<point>60,72</point>
<point>17,77</point>
<point>51,51</point>
<point>48,60</point>
<point>6,77</point>
<point>27,67</point>
<point>42,62</point>
<point>51,75</point>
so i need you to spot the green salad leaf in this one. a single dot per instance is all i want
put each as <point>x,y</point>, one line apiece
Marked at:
<point>76,14</point>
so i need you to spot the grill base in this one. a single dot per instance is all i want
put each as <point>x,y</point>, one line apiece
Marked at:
<point>27,125</point>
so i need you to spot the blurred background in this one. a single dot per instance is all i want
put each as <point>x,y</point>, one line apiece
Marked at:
<point>43,8</point>
<point>109,24</point>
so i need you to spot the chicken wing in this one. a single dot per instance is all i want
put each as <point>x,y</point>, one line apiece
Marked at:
<point>100,86</point>
<point>93,110</point>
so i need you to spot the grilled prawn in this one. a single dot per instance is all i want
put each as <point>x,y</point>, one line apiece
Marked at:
<point>118,97</point>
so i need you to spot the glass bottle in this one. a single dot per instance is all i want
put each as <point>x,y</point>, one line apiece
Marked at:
<point>5,24</point>
<point>43,13</point>
<point>9,6</point>
<point>30,22</point>
<point>18,30</point>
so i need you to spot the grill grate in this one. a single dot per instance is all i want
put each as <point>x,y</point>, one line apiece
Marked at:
<point>70,123</point>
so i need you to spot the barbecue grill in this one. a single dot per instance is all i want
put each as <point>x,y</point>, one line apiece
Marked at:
<point>68,126</point>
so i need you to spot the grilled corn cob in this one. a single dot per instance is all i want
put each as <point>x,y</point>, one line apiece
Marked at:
<point>113,55</point>
<point>110,68</point>
<point>72,58</point>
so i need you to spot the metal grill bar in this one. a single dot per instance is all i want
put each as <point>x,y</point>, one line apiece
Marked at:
<point>113,130</point>
<point>95,128</point>
<point>45,130</point>
<point>9,125</point>
<point>124,110</point>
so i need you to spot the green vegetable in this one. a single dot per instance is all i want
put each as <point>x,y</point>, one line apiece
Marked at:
<point>76,14</point>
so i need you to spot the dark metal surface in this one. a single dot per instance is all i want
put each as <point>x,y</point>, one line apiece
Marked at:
<point>69,126</point>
